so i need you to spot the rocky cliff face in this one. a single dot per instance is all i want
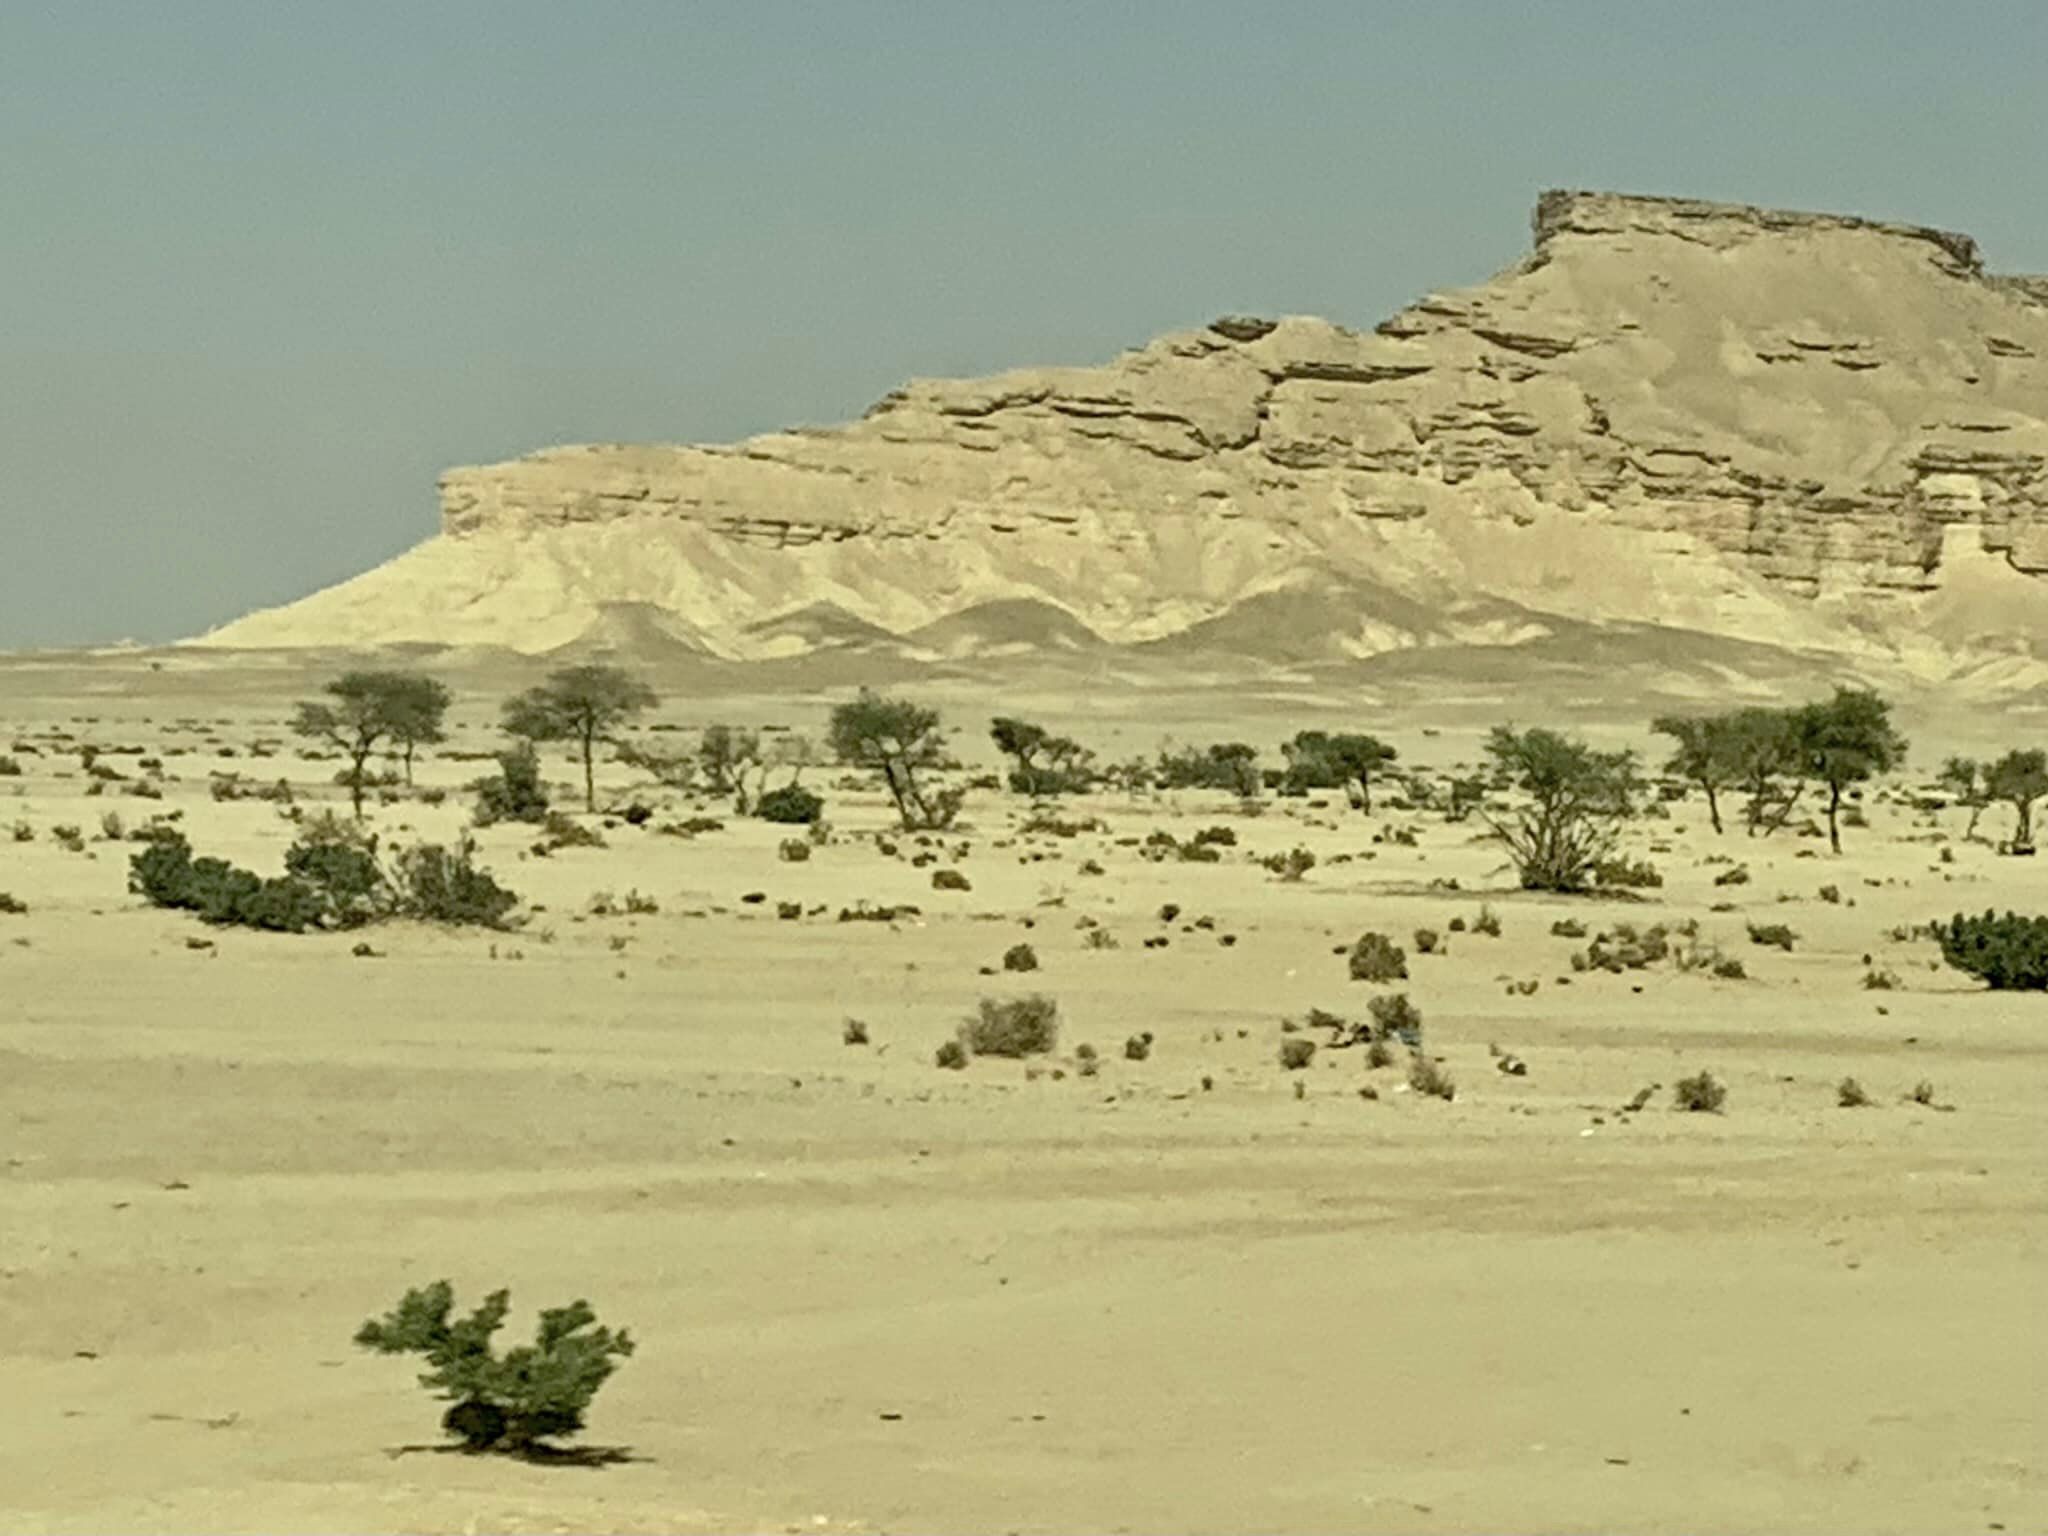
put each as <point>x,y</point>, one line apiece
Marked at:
<point>1775,425</point>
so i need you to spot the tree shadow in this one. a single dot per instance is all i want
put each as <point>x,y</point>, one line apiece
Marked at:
<point>587,1456</point>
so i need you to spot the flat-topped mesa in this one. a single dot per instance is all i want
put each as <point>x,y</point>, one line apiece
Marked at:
<point>1560,211</point>
<point>1698,400</point>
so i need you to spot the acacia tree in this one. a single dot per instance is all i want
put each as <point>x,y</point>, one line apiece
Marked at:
<point>1765,760</point>
<point>1318,760</point>
<point>898,739</point>
<point>584,705</point>
<point>367,708</point>
<point>419,706</point>
<point>1846,740</point>
<point>1708,753</point>
<point>1046,764</point>
<point>2019,779</point>
<point>1963,778</point>
<point>1577,800</point>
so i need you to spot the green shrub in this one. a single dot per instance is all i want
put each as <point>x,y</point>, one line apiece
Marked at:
<point>1620,873</point>
<point>1702,1093</point>
<point>1020,957</point>
<point>161,873</point>
<point>12,905</point>
<point>951,1055</point>
<point>516,793</point>
<point>1395,1018</point>
<point>1377,958</point>
<point>1568,928</point>
<point>1138,1047</point>
<point>1426,941</point>
<point>1487,922</point>
<point>1849,1094</point>
<point>437,885</point>
<point>1429,1079</point>
<point>533,1393</point>
<point>1296,1052</point>
<point>1626,948</point>
<point>2010,953</point>
<point>1773,936</point>
<point>791,805</point>
<point>339,861</point>
<point>1018,1026</point>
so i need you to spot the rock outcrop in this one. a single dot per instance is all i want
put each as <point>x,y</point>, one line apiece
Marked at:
<point>1796,428</point>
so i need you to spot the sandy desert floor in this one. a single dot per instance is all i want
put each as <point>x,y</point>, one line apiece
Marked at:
<point>872,1295</point>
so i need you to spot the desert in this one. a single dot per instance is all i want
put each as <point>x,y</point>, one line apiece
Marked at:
<point>1201,1290</point>
<point>860,769</point>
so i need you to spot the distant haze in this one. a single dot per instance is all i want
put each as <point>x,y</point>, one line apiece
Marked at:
<point>267,269</point>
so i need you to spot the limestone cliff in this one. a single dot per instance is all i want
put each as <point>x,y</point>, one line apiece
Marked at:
<point>1799,428</point>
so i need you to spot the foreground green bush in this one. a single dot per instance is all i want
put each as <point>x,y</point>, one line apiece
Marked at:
<point>333,880</point>
<point>790,805</point>
<point>2010,953</point>
<point>533,1393</point>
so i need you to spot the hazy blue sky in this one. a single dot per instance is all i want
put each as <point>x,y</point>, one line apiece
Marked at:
<point>266,268</point>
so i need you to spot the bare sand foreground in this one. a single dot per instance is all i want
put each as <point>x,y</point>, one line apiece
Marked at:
<point>872,1295</point>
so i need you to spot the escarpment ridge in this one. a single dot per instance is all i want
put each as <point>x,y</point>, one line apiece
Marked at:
<point>1806,430</point>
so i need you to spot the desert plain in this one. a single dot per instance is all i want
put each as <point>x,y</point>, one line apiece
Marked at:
<point>1197,1291</point>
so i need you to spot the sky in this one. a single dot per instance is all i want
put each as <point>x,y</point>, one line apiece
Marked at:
<point>266,269</point>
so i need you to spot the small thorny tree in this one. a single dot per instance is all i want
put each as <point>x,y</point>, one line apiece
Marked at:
<point>2019,779</point>
<point>583,705</point>
<point>1963,778</point>
<point>1709,753</point>
<point>900,740</point>
<point>368,708</point>
<point>1046,764</point>
<point>506,1403</point>
<point>1318,760</point>
<point>1845,741</point>
<point>1577,800</point>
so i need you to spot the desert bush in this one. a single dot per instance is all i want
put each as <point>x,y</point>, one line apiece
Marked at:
<point>1428,1078</point>
<point>1568,928</point>
<point>1045,764</point>
<point>1702,1093</point>
<point>1086,1062</point>
<point>1849,1094</point>
<point>793,850</point>
<point>511,1403</point>
<point>10,768</point>
<point>1228,765</point>
<point>1773,936</point>
<point>438,885</point>
<point>1880,979</point>
<point>22,832</point>
<point>560,831</point>
<point>2009,953</point>
<point>1620,873</point>
<point>1292,865</point>
<point>854,1032</point>
<point>1728,968</point>
<point>12,905</point>
<point>1138,1047</point>
<point>1318,760</point>
<point>1831,894</point>
<point>1394,1017</point>
<point>790,805</point>
<point>1577,799</point>
<point>1296,1052</point>
<point>1376,958</point>
<point>1923,1093</point>
<point>1426,941</point>
<point>339,862</point>
<point>1017,1026</point>
<point>951,1055</point>
<point>1020,957</point>
<point>68,837</point>
<point>950,880</point>
<point>515,792</point>
<point>1739,875</point>
<point>1625,948</point>
<point>1487,922</point>
<point>1379,1054</point>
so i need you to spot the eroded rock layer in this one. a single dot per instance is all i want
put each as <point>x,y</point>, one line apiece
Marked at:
<point>1794,427</point>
